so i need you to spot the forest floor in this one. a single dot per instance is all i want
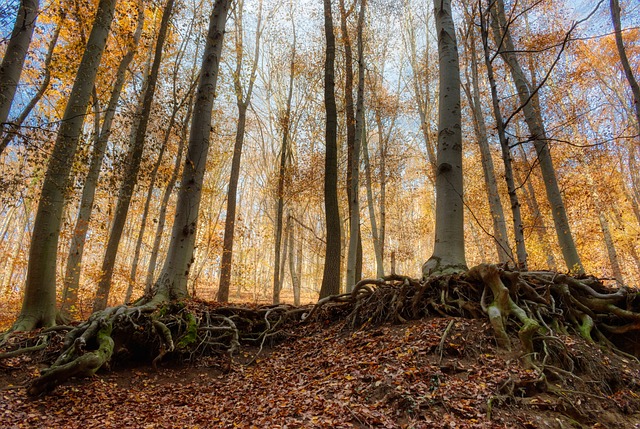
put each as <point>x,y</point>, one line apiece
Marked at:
<point>430,373</point>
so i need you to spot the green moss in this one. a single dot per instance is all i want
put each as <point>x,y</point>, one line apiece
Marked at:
<point>191,333</point>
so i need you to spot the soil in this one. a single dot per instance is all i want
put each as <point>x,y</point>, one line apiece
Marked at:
<point>431,373</point>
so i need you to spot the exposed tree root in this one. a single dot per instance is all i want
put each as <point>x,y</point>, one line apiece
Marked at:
<point>541,307</point>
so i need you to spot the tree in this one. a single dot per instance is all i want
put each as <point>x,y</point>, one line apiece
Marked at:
<point>134,157</point>
<point>42,88</point>
<point>172,282</point>
<point>448,253</point>
<point>13,60</point>
<point>518,227</point>
<point>331,273</point>
<point>242,101</point>
<point>285,121</point>
<point>39,304</point>
<point>354,195</point>
<point>535,123</point>
<point>78,240</point>
<point>472,90</point>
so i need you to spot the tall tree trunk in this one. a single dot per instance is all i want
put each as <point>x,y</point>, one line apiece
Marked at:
<point>518,226</point>
<point>354,195</point>
<point>295,260</point>
<point>377,246</point>
<point>331,272</point>
<point>286,123</point>
<point>448,253</point>
<point>39,304</point>
<point>351,128</point>
<point>172,283</point>
<point>242,101</point>
<point>134,158</point>
<point>155,250</point>
<point>500,235</point>
<point>13,60</point>
<point>78,240</point>
<point>11,128</point>
<point>533,118</point>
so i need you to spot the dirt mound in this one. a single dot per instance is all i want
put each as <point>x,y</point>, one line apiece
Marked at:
<point>431,373</point>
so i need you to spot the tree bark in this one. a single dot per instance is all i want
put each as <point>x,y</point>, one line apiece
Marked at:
<point>39,304</point>
<point>535,123</point>
<point>134,157</point>
<point>78,240</point>
<point>331,272</point>
<point>13,60</point>
<point>448,253</point>
<point>172,283</point>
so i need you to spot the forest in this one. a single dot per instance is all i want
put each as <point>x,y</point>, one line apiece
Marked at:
<point>427,211</point>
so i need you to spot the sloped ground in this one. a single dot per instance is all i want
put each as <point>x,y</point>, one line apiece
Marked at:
<point>431,373</point>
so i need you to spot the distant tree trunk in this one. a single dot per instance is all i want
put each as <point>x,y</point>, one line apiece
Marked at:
<point>295,260</point>
<point>351,129</point>
<point>134,158</point>
<point>500,235</point>
<point>533,118</point>
<point>13,60</point>
<point>39,304</point>
<point>172,283</point>
<point>354,195</point>
<point>331,273</point>
<point>286,123</point>
<point>518,226</point>
<point>242,101</point>
<point>422,98</point>
<point>529,194</point>
<point>12,127</point>
<point>377,246</point>
<point>448,253</point>
<point>76,247</point>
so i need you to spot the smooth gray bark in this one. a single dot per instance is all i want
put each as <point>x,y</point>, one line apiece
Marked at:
<point>13,60</point>
<point>448,253</point>
<point>39,304</point>
<point>172,283</point>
